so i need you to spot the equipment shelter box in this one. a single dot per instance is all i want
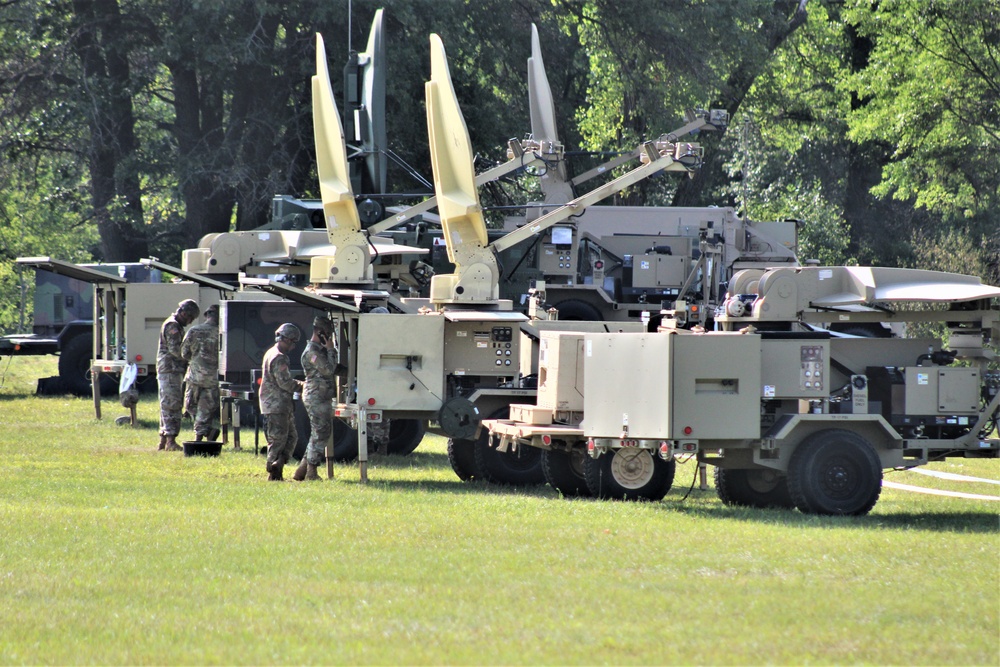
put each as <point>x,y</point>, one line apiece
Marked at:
<point>690,386</point>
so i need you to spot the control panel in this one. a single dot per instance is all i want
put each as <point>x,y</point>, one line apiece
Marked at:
<point>482,348</point>
<point>812,375</point>
<point>794,368</point>
<point>558,252</point>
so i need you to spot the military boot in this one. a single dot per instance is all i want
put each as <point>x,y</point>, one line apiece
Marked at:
<point>163,443</point>
<point>172,445</point>
<point>312,474</point>
<point>276,468</point>
<point>300,472</point>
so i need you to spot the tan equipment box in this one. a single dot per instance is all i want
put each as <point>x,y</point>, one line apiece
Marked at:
<point>658,270</point>
<point>698,386</point>
<point>530,414</point>
<point>560,371</point>
<point>932,390</point>
<point>403,360</point>
<point>400,361</point>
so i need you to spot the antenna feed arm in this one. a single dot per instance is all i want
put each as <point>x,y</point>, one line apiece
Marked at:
<point>700,119</point>
<point>547,148</point>
<point>687,154</point>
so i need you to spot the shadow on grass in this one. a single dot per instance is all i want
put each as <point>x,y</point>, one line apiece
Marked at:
<point>141,423</point>
<point>701,502</point>
<point>415,460</point>
<point>944,522</point>
<point>459,487</point>
<point>10,395</point>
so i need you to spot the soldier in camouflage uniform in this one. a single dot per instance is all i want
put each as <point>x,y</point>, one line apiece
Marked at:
<point>319,361</point>
<point>201,350</point>
<point>170,367</point>
<point>276,388</point>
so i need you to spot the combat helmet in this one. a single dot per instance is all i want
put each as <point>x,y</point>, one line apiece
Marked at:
<point>323,324</point>
<point>288,331</point>
<point>189,306</point>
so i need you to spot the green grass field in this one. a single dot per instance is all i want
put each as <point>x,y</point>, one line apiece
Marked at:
<point>113,553</point>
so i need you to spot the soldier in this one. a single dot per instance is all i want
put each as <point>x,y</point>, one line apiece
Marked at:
<point>319,361</point>
<point>170,366</point>
<point>201,350</point>
<point>276,388</point>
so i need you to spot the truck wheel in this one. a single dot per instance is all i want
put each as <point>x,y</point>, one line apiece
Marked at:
<point>300,418</point>
<point>405,435</point>
<point>564,471</point>
<point>574,309</point>
<point>74,367</point>
<point>345,442</point>
<point>629,474</point>
<point>462,456</point>
<point>835,472</point>
<point>759,487</point>
<point>516,467</point>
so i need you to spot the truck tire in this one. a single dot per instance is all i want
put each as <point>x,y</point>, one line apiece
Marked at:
<point>462,457</point>
<point>629,474</point>
<point>835,472</point>
<point>564,471</point>
<point>74,367</point>
<point>345,442</point>
<point>303,428</point>
<point>405,435</point>
<point>515,467</point>
<point>577,310</point>
<point>760,488</point>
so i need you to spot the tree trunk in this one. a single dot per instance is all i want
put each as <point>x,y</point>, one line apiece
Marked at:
<point>254,136</point>
<point>198,128</point>
<point>111,154</point>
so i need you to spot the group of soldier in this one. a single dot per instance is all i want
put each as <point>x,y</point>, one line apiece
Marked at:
<point>191,359</point>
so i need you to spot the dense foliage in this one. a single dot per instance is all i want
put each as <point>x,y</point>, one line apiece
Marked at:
<point>131,128</point>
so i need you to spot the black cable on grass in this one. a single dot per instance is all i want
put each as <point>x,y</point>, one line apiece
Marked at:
<point>693,480</point>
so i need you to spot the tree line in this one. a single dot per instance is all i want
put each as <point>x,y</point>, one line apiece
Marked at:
<point>131,128</point>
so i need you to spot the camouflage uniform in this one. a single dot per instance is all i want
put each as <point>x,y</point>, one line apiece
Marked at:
<point>319,364</point>
<point>170,367</point>
<point>276,388</point>
<point>201,349</point>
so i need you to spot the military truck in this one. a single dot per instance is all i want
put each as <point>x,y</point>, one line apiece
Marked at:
<point>63,316</point>
<point>790,413</point>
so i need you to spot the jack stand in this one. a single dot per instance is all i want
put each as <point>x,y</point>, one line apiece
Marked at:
<point>703,476</point>
<point>363,444</point>
<point>329,458</point>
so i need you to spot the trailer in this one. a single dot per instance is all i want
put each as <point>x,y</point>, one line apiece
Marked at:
<point>790,413</point>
